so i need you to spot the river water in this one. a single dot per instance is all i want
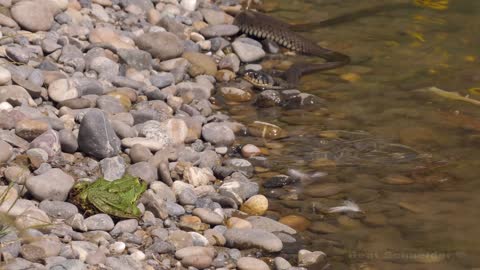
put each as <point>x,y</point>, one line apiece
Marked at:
<point>410,158</point>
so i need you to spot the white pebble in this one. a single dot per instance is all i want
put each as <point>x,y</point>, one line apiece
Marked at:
<point>138,255</point>
<point>5,76</point>
<point>5,106</point>
<point>117,247</point>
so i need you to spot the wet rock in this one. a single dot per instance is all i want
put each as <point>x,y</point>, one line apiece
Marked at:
<point>323,227</point>
<point>249,263</point>
<point>253,238</point>
<point>53,185</point>
<point>324,190</point>
<point>240,165</point>
<point>307,258</point>
<point>298,223</point>
<point>162,45</point>
<point>96,136</point>
<point>256,205</point>
<point>266,130</point>
<point>58,209</point>
<point>99,222</point>
<point>278,181</point>
<point>269,225</point>
<point>268,98</point>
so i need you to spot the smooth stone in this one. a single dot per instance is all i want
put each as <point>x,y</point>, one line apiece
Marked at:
<point>249,263</point>
<point>113,168</point>
<point>139,153</point>
<point>109,36</point>
<point>123,130</point>
<point>6,151</point>
<point>220,30</point>
<point>198,176</point>
<point>5,76</point>
<point>323,190</point>
<point>189,5</point>
<point>33,15</point>
<point>16,93</point>
<point>99,222</point>
<point>137,59</point>
<point>269,225</point>
<point>151,144</point>
<point>37,157</point>
<point>124,226</point>
<point>238,223</point>
<point>110,105</point>
<point>187,197</point>
<point>323,227</point>
<point>200,261</point>
<point>307,258</point>
<point>246,51</point>
<point>162,45</point>
<point>72,57</point>
<point>29,129</point>
<point>31,218</point>
<point>281,264</point>
<point>180,239</point>
<point>235,94</point>
<point>208,216</point>
<point>250,150</point>
<point>68,141</point>
<point>266,130</point>
<point>143,170</point>
<point>49,141</point>
<point>298,223</point>
<point>105,67</point>
<point>216,17</point>
<point>61,90</point>
<point>53,185</point>
<point>218,134</point>
<point>96,136</point>
<point>17,174</point>
<point>40,249</point>
<point>195,251</point>
<point>253,238</point>
<point>200,64</point>
<point>256,205</point>
<point>58,209</point>
<point>162,79</point>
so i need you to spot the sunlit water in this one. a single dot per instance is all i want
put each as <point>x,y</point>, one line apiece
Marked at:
<point>381,128</point>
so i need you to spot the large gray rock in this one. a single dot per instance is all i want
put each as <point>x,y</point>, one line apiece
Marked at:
<point>162,45</point>
<point>248,50</point>
<point>253,238</point>
<point>54,184</point>
<point>96,136</point>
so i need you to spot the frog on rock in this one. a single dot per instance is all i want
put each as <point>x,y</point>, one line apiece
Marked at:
<point>117,198</point>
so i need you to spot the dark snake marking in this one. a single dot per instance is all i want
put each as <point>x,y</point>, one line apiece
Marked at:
<point>263,26</point>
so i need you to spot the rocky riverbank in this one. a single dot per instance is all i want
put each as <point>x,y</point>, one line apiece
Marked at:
<point>107,87</point>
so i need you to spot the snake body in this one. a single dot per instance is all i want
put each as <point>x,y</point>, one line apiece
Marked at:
<point>263,26</point>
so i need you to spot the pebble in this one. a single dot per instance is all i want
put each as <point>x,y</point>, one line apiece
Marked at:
<point>248,50</point>
<point>162,45</point>
<point>143,170</point>
<point>249,263</point>
<point>113,168</point>
<point>33,15</point>
<point>96,136</point>
<point>324,190</point>
<point>269,225</point>
<point>6,151</point>
<point>208,216</point>
<point>200,64</point>
<point>29,129</point>
<point>253,238</point>
<point>225,30</point>
<point>218,134</point>
<point>256,205</point>
<point>199,262</point>
<point>307,258</point>
<point>281,264</point>
<point>58,209</point>
<point>99,222</point>
<point>54,184</point>
<point>61,90</point>
<point>238,223</point>
<point>5,76</point>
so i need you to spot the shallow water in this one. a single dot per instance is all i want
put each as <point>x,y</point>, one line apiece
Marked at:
<point>410,159</point>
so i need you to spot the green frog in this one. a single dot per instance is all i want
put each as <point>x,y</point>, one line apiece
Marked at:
<point>117,198</point>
